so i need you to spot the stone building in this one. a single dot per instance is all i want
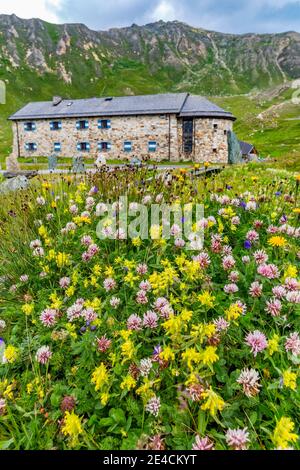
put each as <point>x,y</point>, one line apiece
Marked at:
<point>173,127</point>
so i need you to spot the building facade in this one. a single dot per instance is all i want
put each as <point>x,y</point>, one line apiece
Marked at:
<point>169,127</point>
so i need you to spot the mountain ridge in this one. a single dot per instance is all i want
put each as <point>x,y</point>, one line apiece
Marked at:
<point>195,59</point>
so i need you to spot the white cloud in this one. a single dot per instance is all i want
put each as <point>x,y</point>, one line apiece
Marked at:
<point>166,11</point>
<point>43,9</point>
<point>231,16</point>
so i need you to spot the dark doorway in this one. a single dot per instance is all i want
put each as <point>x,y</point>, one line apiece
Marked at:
<point>187,134</point>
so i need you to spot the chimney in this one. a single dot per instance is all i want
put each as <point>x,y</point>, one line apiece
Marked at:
<point>56,100</point>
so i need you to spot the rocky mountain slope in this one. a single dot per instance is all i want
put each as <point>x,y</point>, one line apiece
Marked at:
<point>177,55</point>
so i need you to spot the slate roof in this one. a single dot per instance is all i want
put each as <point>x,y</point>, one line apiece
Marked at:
<point>245,147</point>
<point>199,106</point>
<point>181,104</point>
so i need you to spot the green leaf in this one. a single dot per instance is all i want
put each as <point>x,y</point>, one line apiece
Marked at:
<point>106,422</point>
<point>6,444</point>
<point>202,422</point>
<point>118,415</point>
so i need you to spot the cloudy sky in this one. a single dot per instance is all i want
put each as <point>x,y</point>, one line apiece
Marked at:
<point>236,16</point>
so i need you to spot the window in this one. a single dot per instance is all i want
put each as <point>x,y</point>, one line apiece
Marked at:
<point>127,146</point>
<point>29,126</point>
<point>83,146</point>
<point>225,132</point>
<point>152,145</point>
<point>57,147</point>
<point>55,125</point>
<point>187,135</point>
<point>82,124</point>
<point>104,146</point>
<point>215,127</point>
<point>215,150</point>
<point>104,124</point>
<point>31,146</point>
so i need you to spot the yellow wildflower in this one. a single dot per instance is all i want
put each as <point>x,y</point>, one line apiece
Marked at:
<point>51,255</point>
<point>273,344</point>
<point>42,231</point>
<point>72,427</point>
<point>109,271</point>
<point>186,315</point>
<point>71,329</point>
<point>145,390</point>
<point>75,277</point>
<point>206,299</point>
<point>127,349</point>
<point>209,356</point>
<point>27,308</point>
<point>81,219</point>
<point>233,312</point>
<point>8,392</point>
<point>94,282</point>
<point>173,325</point>
<point>125,334</point>
<point>289,379</point>
<point>136,241</point>
<point>29,388</point>
<point>191,355</point>
<point>82,187</point>
<point>128,383</point>
<point>46,185</point>
<point>202,331</point>
<point>213,402</point>
<point>62,259</point>
<point>100,376</point>
<point>95,303</point>
<point>290,271</point>
<point>167,354</point>
<point>104,398</point>
<point>277,241</point>
<point>283,434</point>
<point>10,354</point>
<point>70,291</point>
<point>130,278</point>
<point>56,301</point>
<point>96,270</point>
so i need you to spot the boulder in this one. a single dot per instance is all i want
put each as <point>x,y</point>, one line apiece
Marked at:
<point>234,149</point>
<point>13,184</point>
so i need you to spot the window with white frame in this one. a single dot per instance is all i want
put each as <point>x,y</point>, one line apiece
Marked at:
<point>55,125</point>
<point>82,124</point>
<point>104,146</point>
<point>83,146</point>
<point>30,146</point>
<point>104,124</point>
<point>152,146</point>
<point>29,126</point>
<point>127,146</point>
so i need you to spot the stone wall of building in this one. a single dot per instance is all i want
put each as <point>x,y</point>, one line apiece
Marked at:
<point>209,140</point>
<point>210,143</point>
<point>137,129</point>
